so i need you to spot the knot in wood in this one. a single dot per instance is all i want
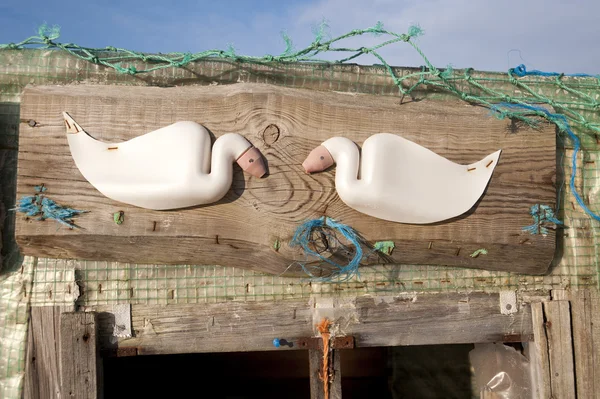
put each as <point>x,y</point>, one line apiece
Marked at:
<point>270,134</point>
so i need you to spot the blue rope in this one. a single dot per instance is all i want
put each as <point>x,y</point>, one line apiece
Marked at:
<point>302,238</point>
<point>563,125</point>
<point>45,208</point>
<point>541,214</point>
<point>521,71</point>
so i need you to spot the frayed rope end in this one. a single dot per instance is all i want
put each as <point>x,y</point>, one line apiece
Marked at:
<point>542,214</point>
<point>49,32</point>
<point>303,237</point>
<point>46,208</point>
<point>415,31</point>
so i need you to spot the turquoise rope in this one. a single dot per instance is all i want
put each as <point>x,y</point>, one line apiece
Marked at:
<point>302,238</point>
<point>43,208</point>
<point>541,214</point>
<point>563,125</point>
<point>521,71</point>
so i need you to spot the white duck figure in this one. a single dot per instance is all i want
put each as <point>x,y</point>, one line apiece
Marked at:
<point>168,168</point>
<point>401,181</point>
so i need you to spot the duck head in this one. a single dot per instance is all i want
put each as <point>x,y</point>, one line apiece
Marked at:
<point>318,160</point>
<point>252,162</point>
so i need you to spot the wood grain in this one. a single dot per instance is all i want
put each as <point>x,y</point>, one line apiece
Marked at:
<point>81,366</point>
<point>42,364</point>
<point>385,321</point>
<point>560,349</point>
<point>585,311</point>
<point>539,354</point>
<point>285,124</point>
<point>585,319</point>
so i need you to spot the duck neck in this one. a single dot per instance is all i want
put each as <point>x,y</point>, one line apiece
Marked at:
<point>227,149</point>
<point>347,158</point>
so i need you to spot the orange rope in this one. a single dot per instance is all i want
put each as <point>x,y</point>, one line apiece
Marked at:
<point>323,328</point>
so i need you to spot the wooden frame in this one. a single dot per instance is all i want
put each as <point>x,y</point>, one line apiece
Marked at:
<point>561,334</point>
<point>565,356</point>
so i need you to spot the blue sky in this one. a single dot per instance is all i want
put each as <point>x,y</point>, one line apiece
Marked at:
<point>548,34</point>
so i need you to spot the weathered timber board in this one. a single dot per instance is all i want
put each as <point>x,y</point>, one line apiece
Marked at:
<point>373,321</point>
<point>42,364</point>
<point>81,366</point>
<point>560,348</point>
<point>242,229</point>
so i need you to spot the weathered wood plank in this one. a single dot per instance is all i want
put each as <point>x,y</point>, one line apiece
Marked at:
<point>252,326</point>
<point>42,365</point>
<point>585,317</point>
<point>595,336</point>
<point>272,207</point>
<point>81,366</point>
<point>586,338</point>
<point>539,353</point>
<point>560,349</point>
<point>315,361</point>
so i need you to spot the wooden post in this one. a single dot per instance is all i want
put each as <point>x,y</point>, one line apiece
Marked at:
<point>585,311</point>
<point>42,366</point>
<point>315,359</point>
<point>560,349</point>
<point>564,356</point>
<point>538,354</point>
<point>585,320</point>
<point>80,362</point>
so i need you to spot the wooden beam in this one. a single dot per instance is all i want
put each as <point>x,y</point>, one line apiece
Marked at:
<point>560,349</point>
<point>42,364</point>
<point>373,321</point>
<point>272,208</point>
<point>538,354</point>
<point>315,360</point>
<point>585,319</point>
<point>80,361</point>
<point>585,311</point>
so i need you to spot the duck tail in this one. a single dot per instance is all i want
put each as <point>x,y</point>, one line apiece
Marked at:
<point>72,126</point>
<point>492,160</point>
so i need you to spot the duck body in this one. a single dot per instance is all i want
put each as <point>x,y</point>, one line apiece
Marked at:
<point>398,180</point>
<point>172,167</point>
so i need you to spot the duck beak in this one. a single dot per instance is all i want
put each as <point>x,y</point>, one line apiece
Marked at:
<point>318,160</point>
<point>252,162</point>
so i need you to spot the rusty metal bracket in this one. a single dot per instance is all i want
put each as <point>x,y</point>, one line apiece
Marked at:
<point>119,352</point>
<point>346,342</point>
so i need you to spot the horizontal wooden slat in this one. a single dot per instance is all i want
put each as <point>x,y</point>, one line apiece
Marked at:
<point>373,321</point>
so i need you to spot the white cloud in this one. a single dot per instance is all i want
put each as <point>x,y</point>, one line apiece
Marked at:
<point>551,34</point>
